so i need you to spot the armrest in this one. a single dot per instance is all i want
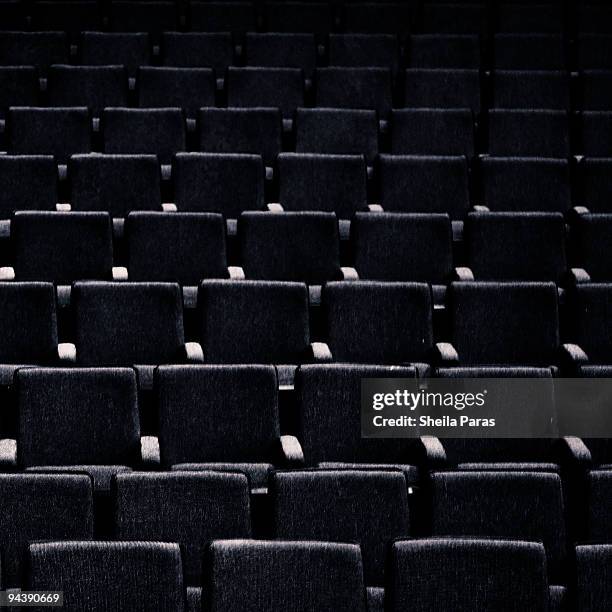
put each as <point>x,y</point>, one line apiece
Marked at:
<point>320,352</point>
<point>435,455</point>
<point>573,452</point>
<point>7,274</point>
<point>481,208</point>
<point>579,275</point>
<point>8,454</point>
<point>63,207</point>
<point>375,208</point>
<point>169,207</point>
<point>120,273</point>
<point>236,272</point>
<point>194,352</point>
<point>463,273</point>
<point>574,354</point>
<point>275,207</point>
<point>581,210</point>
<point>349,274</point>
<point>291,449</point>
<point>66,351</point>
<point>446,353</point>
<point>149,451</point>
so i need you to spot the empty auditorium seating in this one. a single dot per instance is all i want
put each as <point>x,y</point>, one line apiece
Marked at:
<point>444,51</point>
<point>473,571</point>
<point>592,234</point>
<point>281,88</point>
<point>359,50</point>
<point>509,324</point>
<point>130,324</point>
<point>93,86</point>
<point>526,184</point>
<point>313,575</point>
<point>298,17</point>
<point>333,183</point>
<point>365,88</point>
<point>227,183</point>
<point>373,17</point>
<point>329,429</point>
<point>233,416</point>
<point>182,248</point>
<point>241,130</point>
<point>78,419</point>
<point>129,49</point>
<point>424,131</point>
<point>366,322</point>
<point>337,131</point>
<point>185,507</point>
<point>272,315</point>
<point>62,247</point>
<point>114,183</point>
<point>49,131</point>
<point>599,506</point>
<point>438,88</point>
<point>531,89</point>
<point>516,246</point>
<point>30,334</point>
<point>594,570</point>
<point>27,182</point>
<point>536,133</point>
<point>529,52</point>
<point>595,184</point>
<point>369,507</point>
<point>596,90</point>
<point>18,87</point>
<point>290,246</point>
<point>420,184</point>
<point>596,133</point>
<point>282,50</point>
<point>186,88</point>
<point>59,507</point>
<point>39,49</point>
<point>508,505</point>
<point>99,575</point>
<point>159,131</point>
<point>198,50</point>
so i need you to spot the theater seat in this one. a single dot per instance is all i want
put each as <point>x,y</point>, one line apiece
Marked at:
<point>531,89</point>
<point>599,498</point>
<point>329,429</point>
<point>129,49</point>
<point>313,575</point>
<point>596,184</point>
<point>529,51</point>
<point>19,86</point>
<point>234,17</point>
<point>596,133</point>
<point>475,574</point>
<point>79,420</point>
<point>455,18</point>
<point>593,51</point>
<point>233,416</point>
<point>444,51</point>
<point>364,50</point>
<point>118,575</point>
<point>198,50</point>
<point>298,17</point>
<point>527,17</point>
<point>594,569</point>
<point>592,234</point>
<point>153,17</point>
<point>366,322</point>
<point>38,49</point>
<point>41,507</point>
<point>596,90</point>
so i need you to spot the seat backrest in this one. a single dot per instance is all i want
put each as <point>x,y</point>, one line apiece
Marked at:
<point>594,568</point>
<point>519,184</point>
<point>66,15</point>
<point>425,184</point>
<point>508,323</point>
<point>298,17</point>
<point>474,571</point>
<point>329,405</point>
<point>596,133</point>
<point>77,416</point>
<point>282,50</point>
<point>28,315</point>
<point>337,131</point>
<point>159,131</point>
<point>234,17</point>
<point>593,51</point>
<point>599,492</point>
<point>241,130</point>
<point>153,17</point>
<point>323,182</point>
<point>253,321</point>
<point>198,50</point>
<point>191,508</point>
<point>27,182</point>
<point>364,50</point>
<point>376,17</point>
<point>175,247</point>
<point>596,184</point>
<point>596,90</point>
<point>119,575</point>
<point>374,322</point>
<point>369,507</point>
<point>402,247</point>
<point>529,52</point>
<point>292,246</point>
<point>592,236</point>
<point>425,131</point>
<point>226,183</point>
<point>129,49</point>
<point>496,504</point>
<point>531,89</point>
<point>115,183</point>
<point>128,323</point>
<point>313,575</point>
<point>454,18</point>
<point>232,413</point>
<point>526,246</point>
<point>62,247</point>
<point>527,17</point>
<point>18,87</point>
<point>41,507</point>
<point>39,49</point>
<point>444,51</point>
